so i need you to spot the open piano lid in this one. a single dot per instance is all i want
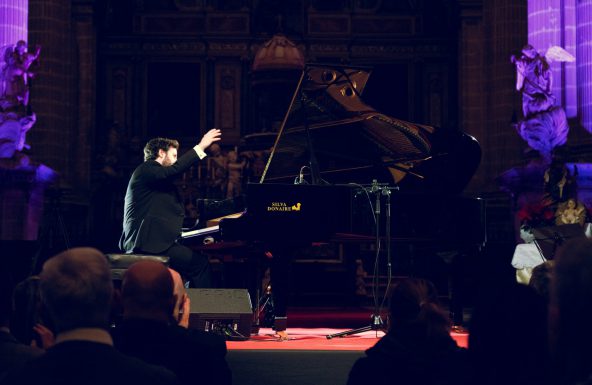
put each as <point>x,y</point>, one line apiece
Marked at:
<point>352,142</point>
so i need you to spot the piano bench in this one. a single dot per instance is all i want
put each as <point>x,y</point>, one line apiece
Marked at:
<point>120,262</point>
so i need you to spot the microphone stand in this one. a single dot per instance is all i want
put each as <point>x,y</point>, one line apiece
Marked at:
<point>376,322</point>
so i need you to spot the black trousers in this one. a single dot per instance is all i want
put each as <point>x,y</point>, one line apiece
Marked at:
<point>194,267</point>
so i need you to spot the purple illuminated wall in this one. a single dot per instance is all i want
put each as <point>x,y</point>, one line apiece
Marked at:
<point>552,22</point>
<point>566,23</point>
<point>584,61</point>
<point>13,21</point>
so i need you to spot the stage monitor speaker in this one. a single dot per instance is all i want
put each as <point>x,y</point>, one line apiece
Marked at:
<point>227,312</point>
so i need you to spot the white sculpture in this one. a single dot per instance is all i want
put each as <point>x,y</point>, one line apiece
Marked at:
<point>14,97</point>
<point>545,125</point>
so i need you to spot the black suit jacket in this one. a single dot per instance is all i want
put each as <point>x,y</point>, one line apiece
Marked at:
<point>196,357</point>
<point>153,215</point>
<point>89,363</point>
<point>13,354</point>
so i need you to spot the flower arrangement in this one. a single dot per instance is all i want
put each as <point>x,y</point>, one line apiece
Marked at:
<point>536,215</point>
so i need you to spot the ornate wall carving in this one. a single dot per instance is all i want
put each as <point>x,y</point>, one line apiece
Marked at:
<point>228,103</point>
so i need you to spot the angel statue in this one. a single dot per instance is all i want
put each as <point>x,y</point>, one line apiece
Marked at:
<point>15,121</point>
<point>15,74</point>
<point>545,125</point>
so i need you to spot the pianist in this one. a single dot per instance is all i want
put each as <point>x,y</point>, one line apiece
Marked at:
<point>153,213</point>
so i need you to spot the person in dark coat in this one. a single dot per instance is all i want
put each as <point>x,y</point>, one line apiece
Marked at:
<point>570,313</point>
<point>154,211</point>
<point>521,358</point>
<point>417,348</point>
<point>13,353</point>
<point>150,332</point>
<point>76,290</point>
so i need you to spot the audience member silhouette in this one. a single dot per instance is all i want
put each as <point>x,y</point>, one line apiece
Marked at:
<point>28,324</point>
<point>13,353</point>
<point>508,337</point>
<point>540,280</point>
<point>570,313</point>
<point>150,332</point>
<point>418,348</point>
<point>76,290</point>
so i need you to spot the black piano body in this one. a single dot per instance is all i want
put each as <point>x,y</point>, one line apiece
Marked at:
<point>331,139</point>
<point>432,236</point>
<point>304,214</point>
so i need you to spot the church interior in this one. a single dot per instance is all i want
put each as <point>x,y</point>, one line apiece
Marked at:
<point>367,141</point>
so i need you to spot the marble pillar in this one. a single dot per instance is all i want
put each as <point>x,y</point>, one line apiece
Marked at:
<point>13,21</point>
<point>584,61</point>
<point>552,23</point>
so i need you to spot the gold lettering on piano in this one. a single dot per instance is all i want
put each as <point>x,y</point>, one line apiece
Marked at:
<point>283,206</point>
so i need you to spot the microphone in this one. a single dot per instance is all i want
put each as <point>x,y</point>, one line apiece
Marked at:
<point>374,188</point>
<point>299,179</point>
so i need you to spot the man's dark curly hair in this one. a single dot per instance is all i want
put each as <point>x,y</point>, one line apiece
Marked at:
<point>155,144</point>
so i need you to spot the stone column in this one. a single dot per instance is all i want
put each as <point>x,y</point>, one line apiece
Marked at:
<point>13,21</point>
<point>505,32</point>
<point>471,78</point>
<point>544,31</point>
<point>570,100</point>
<point>552,22</point>
<point>584,61</point>
<point>54,89</point>
<point>84,129</point>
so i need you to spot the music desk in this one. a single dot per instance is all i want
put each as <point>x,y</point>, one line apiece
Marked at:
<point>527,256</point>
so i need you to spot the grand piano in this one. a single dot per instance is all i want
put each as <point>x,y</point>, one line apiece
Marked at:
<point>333,163</point>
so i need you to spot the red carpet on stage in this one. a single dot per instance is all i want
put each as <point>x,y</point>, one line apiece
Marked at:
<point>307,357</point>
<point>315,339</point>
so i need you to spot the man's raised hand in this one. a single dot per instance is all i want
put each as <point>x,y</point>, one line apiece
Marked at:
<point>210,137</point>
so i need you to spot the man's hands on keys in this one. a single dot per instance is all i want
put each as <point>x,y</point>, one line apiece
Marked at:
<point>210,137</point>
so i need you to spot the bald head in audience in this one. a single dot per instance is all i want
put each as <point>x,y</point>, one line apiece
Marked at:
<point>76,289</point>
<point>147,291</point>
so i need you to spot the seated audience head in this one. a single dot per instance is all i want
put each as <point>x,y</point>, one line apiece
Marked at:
<point>570,313</point>
<point>5,298</point>
<point>26,309</point>
<point>508,336</point>
<point>540,280</point>
<point>76,289</point>
<point>147,291</point>
<point>418,348</point>
<point>414,305</point>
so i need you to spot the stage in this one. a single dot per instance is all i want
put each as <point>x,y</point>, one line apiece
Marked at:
<point>307,357</point>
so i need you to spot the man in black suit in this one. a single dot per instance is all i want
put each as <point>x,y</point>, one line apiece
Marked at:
<point>150,332</point>
<point>153,215</point>
<point>76,291</point>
